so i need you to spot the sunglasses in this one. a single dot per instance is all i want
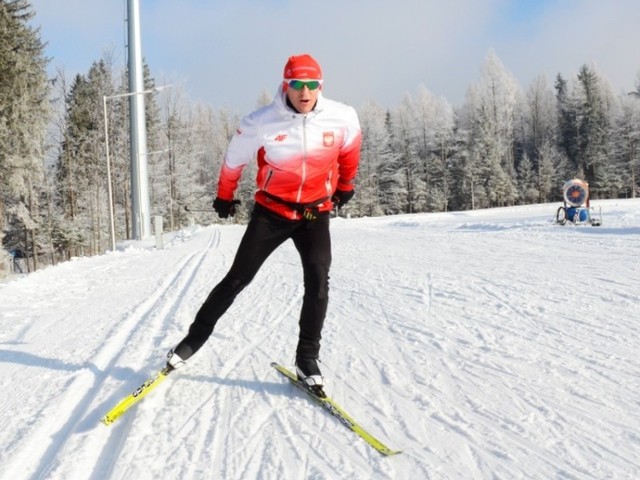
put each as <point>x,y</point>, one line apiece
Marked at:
<point>300,84</point>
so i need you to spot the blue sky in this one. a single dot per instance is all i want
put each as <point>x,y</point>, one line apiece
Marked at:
<point>224,53</point>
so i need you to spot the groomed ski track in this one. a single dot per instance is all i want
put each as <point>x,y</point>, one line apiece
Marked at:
<point>486,344</point>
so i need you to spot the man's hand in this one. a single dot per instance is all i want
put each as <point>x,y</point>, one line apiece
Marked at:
<point>225,208</point>
<point>341,197</point>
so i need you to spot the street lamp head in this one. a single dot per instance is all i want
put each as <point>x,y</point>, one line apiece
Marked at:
<point>142,92</point>
<point>161,87</point>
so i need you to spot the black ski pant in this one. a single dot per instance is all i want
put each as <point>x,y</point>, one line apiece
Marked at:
<point>265,232</point>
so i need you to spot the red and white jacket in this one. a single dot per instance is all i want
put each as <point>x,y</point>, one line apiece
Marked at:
<point>302,158</point>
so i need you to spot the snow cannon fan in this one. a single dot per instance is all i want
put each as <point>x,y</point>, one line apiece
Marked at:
<point>576,208</point>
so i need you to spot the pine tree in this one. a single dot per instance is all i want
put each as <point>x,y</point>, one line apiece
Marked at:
<point>539,136</point>
<point>585,111</point>
<point>375,153</point>
<point>567,123</point>
<point>627,144</point>
<point>489,121</point>
<point>81,168</point>
<point>528,193</point>
<point>434,124</point>
<point>406,181</point>
<point>552,172</point>
<point>24,110</point>
<point>390,177</point>
<point>594,129</point>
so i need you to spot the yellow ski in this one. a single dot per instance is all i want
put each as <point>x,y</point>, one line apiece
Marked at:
<point>129,401</point>
<point>334,409</point>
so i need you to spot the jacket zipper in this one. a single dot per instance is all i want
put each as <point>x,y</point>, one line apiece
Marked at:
<point>265,184</point>
<point>304,158</point>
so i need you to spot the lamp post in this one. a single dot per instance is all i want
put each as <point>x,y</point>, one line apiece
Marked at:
<point>135,181</point>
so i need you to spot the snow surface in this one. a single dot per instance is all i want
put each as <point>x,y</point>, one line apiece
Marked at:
<point>484,344</point>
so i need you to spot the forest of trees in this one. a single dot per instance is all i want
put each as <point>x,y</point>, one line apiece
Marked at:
<point>504,145</point>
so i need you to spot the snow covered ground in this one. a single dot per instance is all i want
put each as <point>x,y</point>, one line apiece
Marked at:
<point>486,344</point>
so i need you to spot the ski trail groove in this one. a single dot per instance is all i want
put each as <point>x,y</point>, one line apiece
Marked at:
<point>232,410</point>
<point>74,407</point>
<point>166,302</point>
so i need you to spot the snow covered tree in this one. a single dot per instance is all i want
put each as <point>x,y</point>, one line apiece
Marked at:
<point>552,172</point>
<point>24,111</point>
<point>540,131</point>
<point>156,147</point>
<point>403,185</point>
<point>585,116</point>
<point>375,154</point>
<point>568,129</point>
<point>81,167</point>
<point>528,193</point>
<point>195,138</point>
<point>627,143</point>
<point>171,149</point>
<point>83,226</point>
<point>594,106</point>
<point>490,122</point>
<point>434,132</point>
<point>388,176</point>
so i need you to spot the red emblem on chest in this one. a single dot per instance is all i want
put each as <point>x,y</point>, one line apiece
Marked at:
<point>327,139</point>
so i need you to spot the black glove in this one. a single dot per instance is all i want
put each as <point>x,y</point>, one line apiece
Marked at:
<point>341,197</point>
<point>225,208</point>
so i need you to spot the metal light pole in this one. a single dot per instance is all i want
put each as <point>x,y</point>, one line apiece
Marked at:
<point>140,207</point>
<point>140,204</point>
<point>110,188</point>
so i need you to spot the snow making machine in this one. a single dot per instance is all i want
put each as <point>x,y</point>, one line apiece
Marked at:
<point>576,209</point>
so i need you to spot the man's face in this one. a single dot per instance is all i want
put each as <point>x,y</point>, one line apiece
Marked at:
<point>303,94</point>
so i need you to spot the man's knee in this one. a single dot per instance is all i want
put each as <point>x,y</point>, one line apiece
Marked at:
<point>233,284</point>
<point>316,282</point>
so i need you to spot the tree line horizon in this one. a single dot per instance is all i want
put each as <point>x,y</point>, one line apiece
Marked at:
<point>505,145</point>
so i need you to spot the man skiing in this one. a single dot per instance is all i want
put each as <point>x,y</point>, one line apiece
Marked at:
<point>308,149</point>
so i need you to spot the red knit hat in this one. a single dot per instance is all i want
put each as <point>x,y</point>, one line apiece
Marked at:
<point>301,67</point>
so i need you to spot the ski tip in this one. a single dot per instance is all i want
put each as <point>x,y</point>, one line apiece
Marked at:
<point>389,453</point>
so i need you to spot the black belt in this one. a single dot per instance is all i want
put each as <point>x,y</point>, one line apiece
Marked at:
<point>309,211</point>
